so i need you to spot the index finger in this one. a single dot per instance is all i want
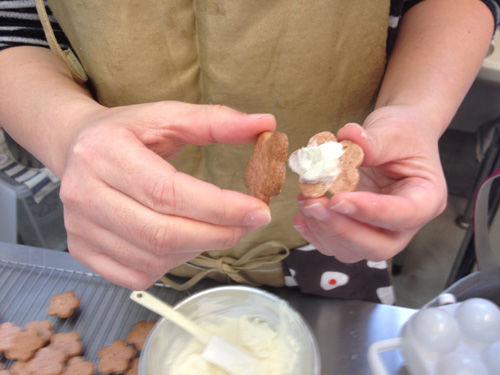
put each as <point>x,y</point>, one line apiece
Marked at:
<point>155,183</point>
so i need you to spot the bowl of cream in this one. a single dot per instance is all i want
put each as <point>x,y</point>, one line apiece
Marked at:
<point>261,323</point>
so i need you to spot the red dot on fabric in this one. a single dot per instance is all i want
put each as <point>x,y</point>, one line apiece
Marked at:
<point>332,282</point>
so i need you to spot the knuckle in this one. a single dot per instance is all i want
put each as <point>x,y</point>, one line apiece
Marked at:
<point>163,194</point>
<point>161,238</point>
<point>154,267</point>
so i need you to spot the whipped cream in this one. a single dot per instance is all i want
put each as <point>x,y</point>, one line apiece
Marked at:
<point>316,163</point>
<point>276,351</point>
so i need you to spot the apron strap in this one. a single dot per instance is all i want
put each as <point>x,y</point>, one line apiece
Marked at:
<point>233,267</point>
<point>68,57</point>
<point>486,261</point>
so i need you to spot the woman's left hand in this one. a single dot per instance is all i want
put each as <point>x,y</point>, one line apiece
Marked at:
<point>402,187</point>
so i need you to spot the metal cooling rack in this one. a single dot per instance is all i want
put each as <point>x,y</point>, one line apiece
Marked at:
<point>105,314</point>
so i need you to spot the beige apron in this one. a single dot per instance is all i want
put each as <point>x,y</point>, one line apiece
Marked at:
<point>315,65</point>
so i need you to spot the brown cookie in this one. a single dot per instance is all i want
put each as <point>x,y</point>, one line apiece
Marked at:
<point>69,343</point>
<point>63,304</point>
<point>47,361</point>
<point>78,366</point>
<point>134,367</point>
<point>349,163</point>
<point>43,328</point>
<point>137,336</point>
<point>265,170</point>
<point>7,333</point>
<point>19,368</point>
<point>24,346</point>
<point>115,357</point>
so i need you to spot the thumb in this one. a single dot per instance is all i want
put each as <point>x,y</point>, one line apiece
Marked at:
<point>357,134</point>
<point>373,140</point>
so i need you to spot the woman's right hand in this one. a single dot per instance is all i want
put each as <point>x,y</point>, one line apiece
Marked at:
<point>129,214</point>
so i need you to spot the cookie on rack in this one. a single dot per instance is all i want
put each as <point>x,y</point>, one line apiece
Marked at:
<point>7,332</point>
<point>139,333</point>
<point>47,361</point>
<point>24,345</point>
<point>68,342</point>
<point>63,304</point>
<point>78,366</point>
<point>134,367</point>
<point>42,327</point>
<point>115,358</point>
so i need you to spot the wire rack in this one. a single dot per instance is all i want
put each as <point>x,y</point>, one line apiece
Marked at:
<point>105,313</point>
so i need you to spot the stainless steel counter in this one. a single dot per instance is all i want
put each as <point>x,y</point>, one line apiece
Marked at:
<point>29,276</point>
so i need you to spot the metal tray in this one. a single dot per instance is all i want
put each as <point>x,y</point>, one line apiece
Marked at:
<point>105,314</point>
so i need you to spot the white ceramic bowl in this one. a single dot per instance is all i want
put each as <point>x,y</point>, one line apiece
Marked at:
<point>166,340</point>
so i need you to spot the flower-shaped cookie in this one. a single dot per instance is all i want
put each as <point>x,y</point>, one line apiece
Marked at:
<point>78,365</point>
<point>139,333</point>
<point>24,345</point>
<point>266,170</point>
<point>7,333</point>
<point>42,327</point>
<point>115,357</point>
<point>68,342</point>
<point>348,177</point>
<point>63,304</point>
<point>47,361</point>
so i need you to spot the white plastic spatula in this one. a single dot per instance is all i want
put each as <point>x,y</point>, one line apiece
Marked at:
<point>218,351</point>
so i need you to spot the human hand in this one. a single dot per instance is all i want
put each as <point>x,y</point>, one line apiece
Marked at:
<point>130,216</point>
<point>401,188</point>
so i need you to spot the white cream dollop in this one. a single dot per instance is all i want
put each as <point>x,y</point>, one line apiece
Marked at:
<point>317,163</point>
<point>276,350</point>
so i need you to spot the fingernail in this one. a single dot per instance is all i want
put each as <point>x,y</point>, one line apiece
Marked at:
<point>317,211</point>
<point>363,133</point>
<point>299,228</point>
<point>259,115</point>
<point>258,218</point>
<point>344,207</point>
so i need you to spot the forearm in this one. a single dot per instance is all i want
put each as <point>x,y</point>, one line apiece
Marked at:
<point>440,47</point>
<point>40,105</point>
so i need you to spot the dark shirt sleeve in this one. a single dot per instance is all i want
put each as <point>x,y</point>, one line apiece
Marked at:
<point>20,25</point>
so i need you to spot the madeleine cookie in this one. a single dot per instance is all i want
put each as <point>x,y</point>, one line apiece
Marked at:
<point>63,304</point>
<point>265,171</point>
<point>326,165</point>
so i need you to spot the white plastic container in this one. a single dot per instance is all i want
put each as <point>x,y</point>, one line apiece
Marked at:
<point>453,339</point>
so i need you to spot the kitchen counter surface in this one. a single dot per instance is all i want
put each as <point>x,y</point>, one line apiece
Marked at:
<point>30,276</point>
